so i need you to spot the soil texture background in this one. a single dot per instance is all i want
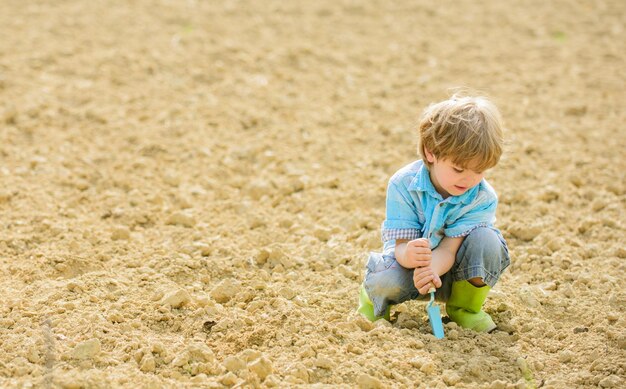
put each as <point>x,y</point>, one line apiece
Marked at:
<point>189,190</point>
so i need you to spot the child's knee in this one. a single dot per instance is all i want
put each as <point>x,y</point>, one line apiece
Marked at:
<point>486,248</point>
<point>485,240</point>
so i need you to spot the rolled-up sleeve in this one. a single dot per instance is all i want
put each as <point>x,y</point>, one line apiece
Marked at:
<point>482,215</point>
<point>401,221</point>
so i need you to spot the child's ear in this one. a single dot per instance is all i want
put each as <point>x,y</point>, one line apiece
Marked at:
<point>430,157</point>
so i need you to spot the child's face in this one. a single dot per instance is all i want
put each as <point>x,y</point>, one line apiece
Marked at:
<point>452,180</point>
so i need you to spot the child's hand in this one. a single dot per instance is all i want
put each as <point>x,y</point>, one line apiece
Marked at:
<point>418,253</point>
<point>424,277</point>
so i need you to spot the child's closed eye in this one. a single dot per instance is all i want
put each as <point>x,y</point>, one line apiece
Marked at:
<point>458,170</point>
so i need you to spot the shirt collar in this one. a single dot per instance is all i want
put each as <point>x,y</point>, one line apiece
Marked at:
<point>422,183</point>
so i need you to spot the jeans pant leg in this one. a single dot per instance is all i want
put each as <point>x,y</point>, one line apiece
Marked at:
<point>483,254</point>
<point>387,282</point>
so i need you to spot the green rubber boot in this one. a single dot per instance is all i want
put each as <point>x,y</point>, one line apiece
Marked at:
<point>464,307</point>
<point>366,308</point>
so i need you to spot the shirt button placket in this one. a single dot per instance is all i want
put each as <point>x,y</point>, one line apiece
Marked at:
<point>436,216</point>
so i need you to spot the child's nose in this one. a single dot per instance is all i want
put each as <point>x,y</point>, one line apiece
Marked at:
<point>471,179</point>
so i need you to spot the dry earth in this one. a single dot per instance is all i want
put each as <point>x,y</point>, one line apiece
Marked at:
<point>189,189</point>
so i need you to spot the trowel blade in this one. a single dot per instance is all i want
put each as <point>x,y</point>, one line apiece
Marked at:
<point>434,316</point>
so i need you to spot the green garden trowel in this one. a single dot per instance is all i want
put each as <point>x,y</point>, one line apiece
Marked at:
<point>434,315</point>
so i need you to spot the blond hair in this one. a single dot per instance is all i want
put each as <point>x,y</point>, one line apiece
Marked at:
<point>464,130</point>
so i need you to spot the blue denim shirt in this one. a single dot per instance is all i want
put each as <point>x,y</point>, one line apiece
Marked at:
<point>415,209</point>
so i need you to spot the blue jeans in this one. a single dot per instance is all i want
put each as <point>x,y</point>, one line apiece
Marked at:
<point>483,254</point>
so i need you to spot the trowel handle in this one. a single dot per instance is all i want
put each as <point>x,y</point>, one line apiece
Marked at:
<point>431,292</point>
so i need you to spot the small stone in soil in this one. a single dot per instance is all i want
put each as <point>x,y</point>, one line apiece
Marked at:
<point>206,327</point>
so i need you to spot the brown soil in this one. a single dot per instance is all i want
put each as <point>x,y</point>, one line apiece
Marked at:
<point>189,189</point>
